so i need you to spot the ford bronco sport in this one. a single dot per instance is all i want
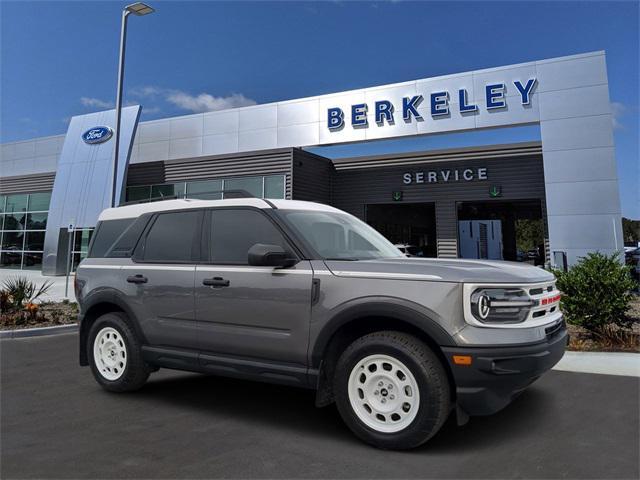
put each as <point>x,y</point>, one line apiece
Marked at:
<point>304,294</point>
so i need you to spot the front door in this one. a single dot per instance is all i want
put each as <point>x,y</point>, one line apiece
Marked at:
<point>245,311</point>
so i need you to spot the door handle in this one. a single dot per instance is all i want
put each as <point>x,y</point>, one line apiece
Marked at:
<point>137,279</point>
<point>215,282</point>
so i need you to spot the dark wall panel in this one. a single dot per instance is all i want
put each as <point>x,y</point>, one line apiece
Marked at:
<point>148,173</point>
<point>40,182</point>
<point>520,178</point>
<point>312,177</point>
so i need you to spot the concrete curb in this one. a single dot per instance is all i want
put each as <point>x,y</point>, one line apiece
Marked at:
<point>39,332</point>
<point>606,363</point>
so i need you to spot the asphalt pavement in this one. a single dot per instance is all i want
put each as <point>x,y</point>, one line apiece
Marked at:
<point>56,422</point>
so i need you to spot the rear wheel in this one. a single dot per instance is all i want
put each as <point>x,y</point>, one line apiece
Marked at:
<point>392,390</point>
<point>114,354</point>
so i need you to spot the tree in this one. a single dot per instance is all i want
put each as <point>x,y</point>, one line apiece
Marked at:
<point>630,230</point>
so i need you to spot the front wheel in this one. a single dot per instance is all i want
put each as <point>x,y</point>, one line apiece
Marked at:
<point>392,390</point>
<point>114,354</point>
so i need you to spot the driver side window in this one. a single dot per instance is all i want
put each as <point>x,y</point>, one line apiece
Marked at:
<point>234,232</point>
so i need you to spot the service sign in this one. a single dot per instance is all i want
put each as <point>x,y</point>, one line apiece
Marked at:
<point>97,135</point>
<point>438,104</point>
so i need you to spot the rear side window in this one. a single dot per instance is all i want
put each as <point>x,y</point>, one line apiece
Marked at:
<point>234,232</point>
<point>172,237</point>
<point>107,233</point>
<point>123,247</point>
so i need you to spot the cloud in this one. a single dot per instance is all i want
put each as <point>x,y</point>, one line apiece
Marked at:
<point>205,102</point>
<point>146,91</point>
<point>617,111</point>
<point>95,103</point>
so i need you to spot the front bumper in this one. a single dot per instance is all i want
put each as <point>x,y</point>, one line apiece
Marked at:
<point>497,375</point>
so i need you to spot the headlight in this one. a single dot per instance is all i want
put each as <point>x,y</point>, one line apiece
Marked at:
<point>500,305</point>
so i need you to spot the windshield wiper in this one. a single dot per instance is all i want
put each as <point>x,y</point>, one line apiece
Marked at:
<point>343,259</point>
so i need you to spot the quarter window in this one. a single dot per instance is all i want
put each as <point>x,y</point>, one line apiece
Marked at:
<point>172,237</point>
<point>234,232</point>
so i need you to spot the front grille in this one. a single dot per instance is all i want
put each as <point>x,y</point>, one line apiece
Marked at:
<point>542,311</point>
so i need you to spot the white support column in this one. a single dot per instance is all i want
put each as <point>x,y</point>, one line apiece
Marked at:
<point>583,202</point>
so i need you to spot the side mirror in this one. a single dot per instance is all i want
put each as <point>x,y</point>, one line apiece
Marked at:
<point>263,255</point>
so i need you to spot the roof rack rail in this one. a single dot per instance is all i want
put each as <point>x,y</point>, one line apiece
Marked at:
<point>237,193</point>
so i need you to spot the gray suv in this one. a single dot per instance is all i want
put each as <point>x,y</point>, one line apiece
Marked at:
<point>304,294</point>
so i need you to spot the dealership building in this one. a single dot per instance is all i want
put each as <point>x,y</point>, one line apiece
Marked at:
<point>472,202</point>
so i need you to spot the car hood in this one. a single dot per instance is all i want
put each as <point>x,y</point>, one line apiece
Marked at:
<point>442,270</point>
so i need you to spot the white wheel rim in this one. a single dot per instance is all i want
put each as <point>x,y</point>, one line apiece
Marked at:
<point>384,393</point>
<point>110,353</point>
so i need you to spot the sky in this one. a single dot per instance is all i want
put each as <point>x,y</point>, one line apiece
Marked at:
<point>59,59</point>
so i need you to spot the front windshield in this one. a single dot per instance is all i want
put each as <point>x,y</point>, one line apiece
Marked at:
<point>339,236</point>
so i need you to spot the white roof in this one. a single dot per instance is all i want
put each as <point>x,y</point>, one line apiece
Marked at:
<point>133,211</point>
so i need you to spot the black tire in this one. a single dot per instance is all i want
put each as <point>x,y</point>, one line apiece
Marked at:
<point>136,371</point>
<point>434,403</point>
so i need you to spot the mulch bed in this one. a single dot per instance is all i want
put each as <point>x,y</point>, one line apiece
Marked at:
<point>617,339</point>
<point>49,314</point>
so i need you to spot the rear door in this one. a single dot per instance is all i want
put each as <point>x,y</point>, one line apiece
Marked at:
<point>161,278</point>
<point>254,312</point>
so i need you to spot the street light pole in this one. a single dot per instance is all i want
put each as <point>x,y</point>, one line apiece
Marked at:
<point>137,9</point>
<point>123,41</point>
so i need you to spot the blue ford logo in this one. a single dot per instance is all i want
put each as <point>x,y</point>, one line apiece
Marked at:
<point>97,135</point>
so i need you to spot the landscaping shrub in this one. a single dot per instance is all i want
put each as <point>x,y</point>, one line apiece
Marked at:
<point>596,292</point>
<point>20,293</point>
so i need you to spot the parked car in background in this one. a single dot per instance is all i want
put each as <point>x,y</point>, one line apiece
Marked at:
<point>307,295</point>
<point>632,258</point>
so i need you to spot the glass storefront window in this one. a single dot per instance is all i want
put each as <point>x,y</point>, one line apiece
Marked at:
<point>81,239</point>
<point>201,190</point>
<point>23,221</point>
<point>139,194</point>
<point>10,259</point>
<point>158,192</point>
<point>17,203</point>
<point>39,202</point>
<point>34,241</point>
<point>12,240</point>
<point>32,261</point>
<point>37,221</point>
<point>251,185</point>
<point>14,221</point>
<point>274,186</point>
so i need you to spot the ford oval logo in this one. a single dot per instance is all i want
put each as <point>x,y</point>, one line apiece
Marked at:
<point>97,135</point>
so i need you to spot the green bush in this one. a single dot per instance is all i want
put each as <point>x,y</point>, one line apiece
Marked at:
<point>596,292</point>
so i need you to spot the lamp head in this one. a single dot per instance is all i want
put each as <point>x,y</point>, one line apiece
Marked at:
<point>139,9</point>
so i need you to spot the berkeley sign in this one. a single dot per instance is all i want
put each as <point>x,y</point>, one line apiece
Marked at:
<point>384,110</point>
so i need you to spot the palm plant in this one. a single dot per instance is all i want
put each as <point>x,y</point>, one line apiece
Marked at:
<point>22,291</point>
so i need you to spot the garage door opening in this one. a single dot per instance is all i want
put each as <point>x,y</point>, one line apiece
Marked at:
<point>499,230</point>
<point>410,226</point>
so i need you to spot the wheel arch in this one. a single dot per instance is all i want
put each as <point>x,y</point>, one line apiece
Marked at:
<point>360,320</point>
<point>93,309</point>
